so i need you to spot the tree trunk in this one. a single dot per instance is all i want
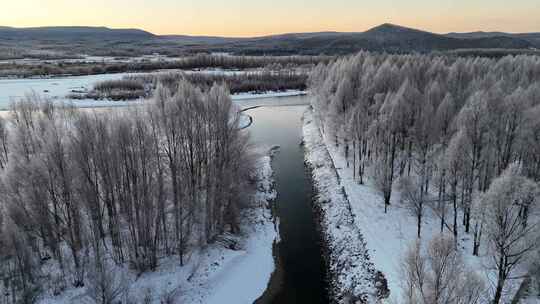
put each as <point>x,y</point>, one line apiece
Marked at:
<point>419,224</point>
<point>386,202</point>
<point>454,194</point>
<point>347,152</point>
<point>354,159</point>
<point>500,281</point>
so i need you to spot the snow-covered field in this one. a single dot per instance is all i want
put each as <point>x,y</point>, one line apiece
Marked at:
<point>214,274</point>
<point>387,236</point>
<point>350,269</point>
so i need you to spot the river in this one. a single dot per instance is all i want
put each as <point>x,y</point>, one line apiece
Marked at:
<point>300,272</point>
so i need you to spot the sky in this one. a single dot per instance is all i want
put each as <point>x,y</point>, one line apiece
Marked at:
<point>244,18</point>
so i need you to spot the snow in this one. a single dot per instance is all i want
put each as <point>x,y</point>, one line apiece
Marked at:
<point>350,268</point>
<point>214,274</point>
<point>387,236</point>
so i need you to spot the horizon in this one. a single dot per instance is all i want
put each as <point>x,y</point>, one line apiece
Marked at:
<point>268,34</point>
<point>236,19</point>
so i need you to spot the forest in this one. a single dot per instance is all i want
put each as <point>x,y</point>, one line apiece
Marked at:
<point>459,137</point>
<point>83,190</point>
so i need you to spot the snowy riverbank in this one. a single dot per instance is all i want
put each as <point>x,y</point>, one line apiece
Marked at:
<point>255,95</point>
<point>215,274</point>
<point>351,273</point>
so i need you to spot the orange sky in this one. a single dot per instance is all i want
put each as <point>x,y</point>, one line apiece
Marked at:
<point>252,18</point>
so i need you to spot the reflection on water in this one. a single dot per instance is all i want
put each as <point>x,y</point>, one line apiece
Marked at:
<point>300,275</point>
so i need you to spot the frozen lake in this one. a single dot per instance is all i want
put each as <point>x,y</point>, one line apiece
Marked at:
<point>58,88</point>
<point>55,88</point>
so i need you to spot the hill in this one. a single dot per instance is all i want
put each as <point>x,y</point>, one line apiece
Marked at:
<point>386,37</point>
<point>72,33</point>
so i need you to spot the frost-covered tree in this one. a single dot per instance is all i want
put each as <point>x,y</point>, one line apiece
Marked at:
<point>439,275</point>
<point>451,124</point>
<point>473,121</point>
<point>513,223</point>
<point>83,188</point>
<point>413,198</point>
<point>383,177</point>
<point>455,164</point>
<point>530,143</point>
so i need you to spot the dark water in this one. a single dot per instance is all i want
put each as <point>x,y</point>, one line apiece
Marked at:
<point>299,276</point>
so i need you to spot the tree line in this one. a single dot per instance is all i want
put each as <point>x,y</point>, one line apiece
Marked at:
<point>81,189</point>
<point>199,61</point>
<point>460,136</point>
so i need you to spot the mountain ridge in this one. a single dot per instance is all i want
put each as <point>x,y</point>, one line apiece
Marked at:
<point>386,37</point>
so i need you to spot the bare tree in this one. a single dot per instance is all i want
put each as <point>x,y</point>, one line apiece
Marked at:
<point>104,286</point>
